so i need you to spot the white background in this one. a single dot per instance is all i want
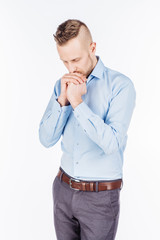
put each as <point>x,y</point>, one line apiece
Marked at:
<point>127,34</point>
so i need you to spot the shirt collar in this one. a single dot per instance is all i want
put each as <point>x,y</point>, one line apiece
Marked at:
<point>98,69</point>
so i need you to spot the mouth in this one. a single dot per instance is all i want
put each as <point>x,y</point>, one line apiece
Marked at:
<point>78,72</point>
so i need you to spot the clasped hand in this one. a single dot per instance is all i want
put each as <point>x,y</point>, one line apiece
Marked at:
<point>75,87</point>
<point>75,92</point>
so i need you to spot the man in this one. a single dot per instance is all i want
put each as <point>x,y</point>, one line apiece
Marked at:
<point>91,107</point>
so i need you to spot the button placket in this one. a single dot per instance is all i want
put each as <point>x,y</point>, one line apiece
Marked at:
<point>76,143</point>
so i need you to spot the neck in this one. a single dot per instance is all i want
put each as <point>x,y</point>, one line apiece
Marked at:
<point>95,60</point>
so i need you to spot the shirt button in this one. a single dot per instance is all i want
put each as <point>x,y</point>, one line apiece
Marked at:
<point>77,143</point>
<point>78,124</point>
<point>58,110</point>
<point>77,116</point>
<point>85,130</point>
<point>76,162</point>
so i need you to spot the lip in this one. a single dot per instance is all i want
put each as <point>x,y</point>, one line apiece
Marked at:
<point>79,72</point>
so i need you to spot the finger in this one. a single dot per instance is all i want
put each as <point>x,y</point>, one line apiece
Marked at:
<point>69,79</point>
<point>74,73</point>
<point>82,76</point>
<point>79,80</point>
<point>77,76</point>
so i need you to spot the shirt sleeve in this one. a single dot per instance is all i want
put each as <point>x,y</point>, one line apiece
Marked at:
<point>109,134</point>
<point>53,120</point>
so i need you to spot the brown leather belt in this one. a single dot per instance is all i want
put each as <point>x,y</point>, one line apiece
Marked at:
<point>89,185</point>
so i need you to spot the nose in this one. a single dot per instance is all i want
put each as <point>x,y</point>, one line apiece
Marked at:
<point>71,67</point>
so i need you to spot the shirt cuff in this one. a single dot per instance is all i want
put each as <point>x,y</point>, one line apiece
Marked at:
<point>82,109</point>
<point>83,113</point>
<point>64,108</point>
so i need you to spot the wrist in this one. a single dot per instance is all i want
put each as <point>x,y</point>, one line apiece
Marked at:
<point>63,101</point>
<point>76,103</point>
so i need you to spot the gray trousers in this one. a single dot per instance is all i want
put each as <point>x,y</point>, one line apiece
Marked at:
<point>84,215</point>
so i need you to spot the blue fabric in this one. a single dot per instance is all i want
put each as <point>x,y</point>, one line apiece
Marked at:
<point>94,134</point>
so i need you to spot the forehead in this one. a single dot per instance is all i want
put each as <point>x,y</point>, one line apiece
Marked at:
<point>71,50</point>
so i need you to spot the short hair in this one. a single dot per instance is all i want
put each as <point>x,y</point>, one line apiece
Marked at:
<point>69,30</point>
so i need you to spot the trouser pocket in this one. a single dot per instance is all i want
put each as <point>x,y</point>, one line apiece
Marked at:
<point>115,201</point>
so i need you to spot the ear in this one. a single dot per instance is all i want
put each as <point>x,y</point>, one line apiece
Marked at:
<point>93,47</point>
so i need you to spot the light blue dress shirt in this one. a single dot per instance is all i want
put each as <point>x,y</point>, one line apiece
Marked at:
<point>94,134</point>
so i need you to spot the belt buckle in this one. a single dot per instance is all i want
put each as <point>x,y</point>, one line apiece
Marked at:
<point>70,183</point>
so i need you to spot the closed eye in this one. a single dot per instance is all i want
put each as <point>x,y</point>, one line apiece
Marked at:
<point>76,60</point>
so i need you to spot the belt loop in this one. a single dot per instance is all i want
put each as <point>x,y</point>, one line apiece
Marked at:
<point>61,175</point>
<point>121,185</point>
<point>96,186</point>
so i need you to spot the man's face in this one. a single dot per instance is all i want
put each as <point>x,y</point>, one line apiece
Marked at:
<point>77,56</point>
